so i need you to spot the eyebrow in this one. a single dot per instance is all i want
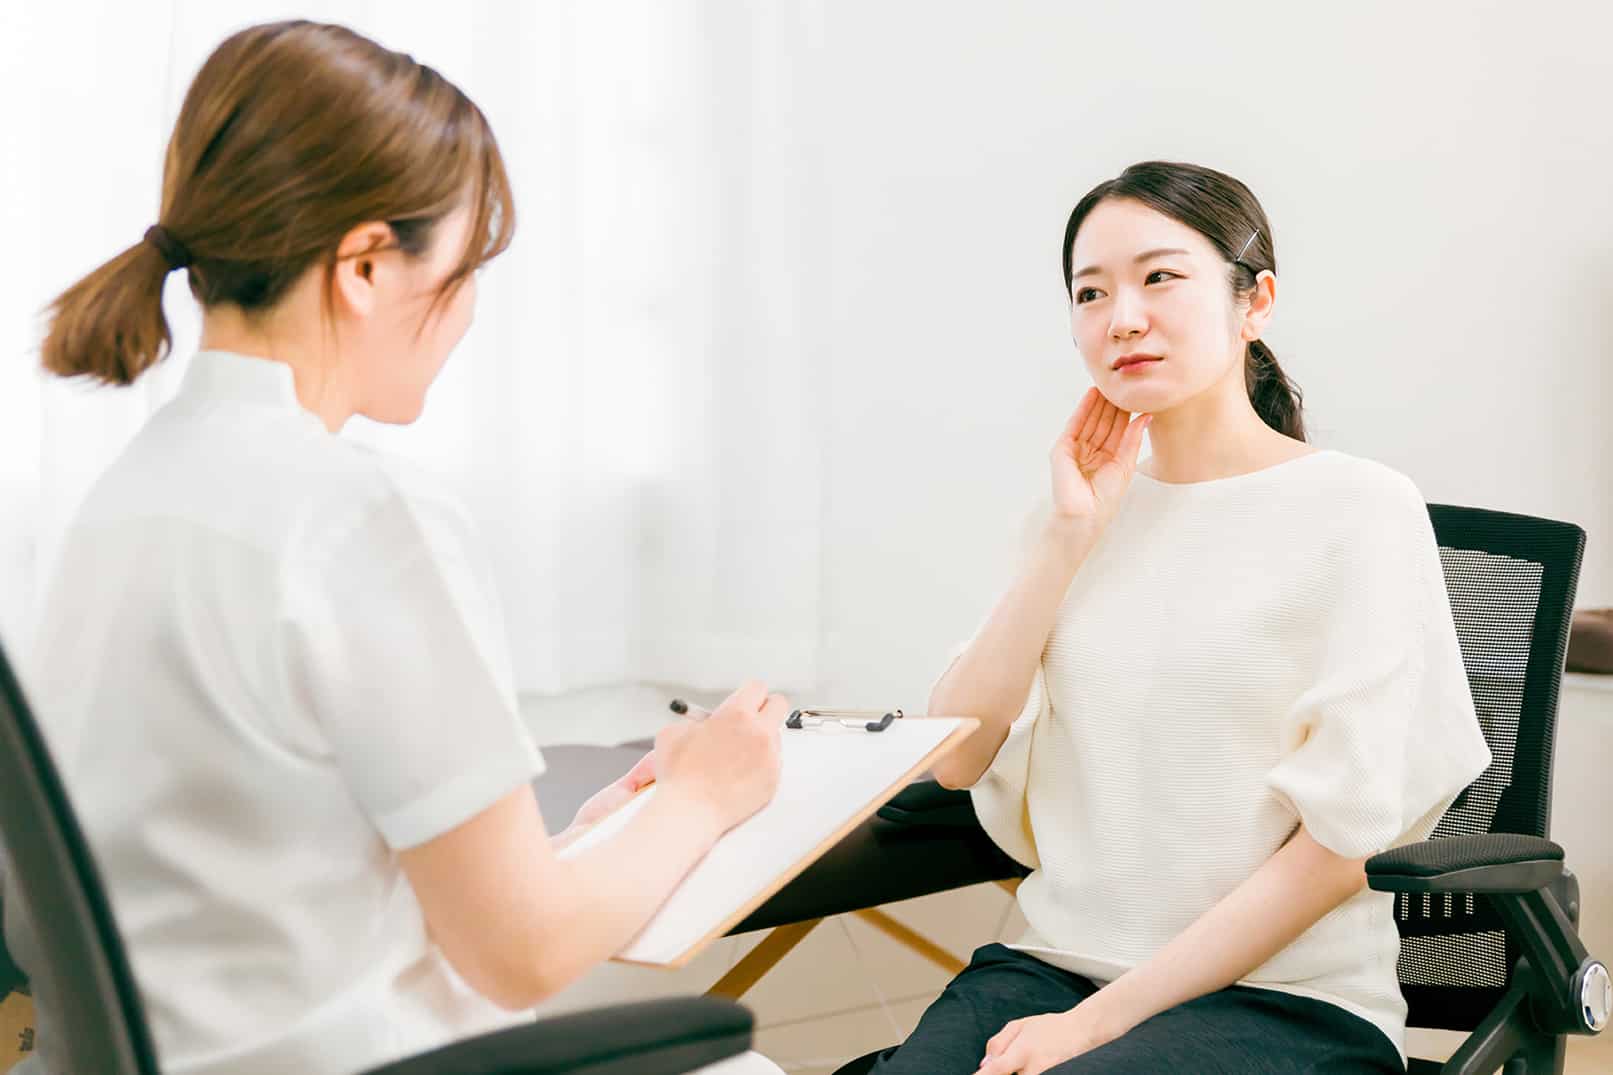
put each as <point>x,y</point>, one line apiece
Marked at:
<point>1146,255</point>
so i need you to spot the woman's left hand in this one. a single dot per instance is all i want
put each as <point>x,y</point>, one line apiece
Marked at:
<point>607,800</point>
<point>1032,1046</point>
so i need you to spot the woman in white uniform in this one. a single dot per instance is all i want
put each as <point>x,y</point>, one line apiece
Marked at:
<point>271,665</point>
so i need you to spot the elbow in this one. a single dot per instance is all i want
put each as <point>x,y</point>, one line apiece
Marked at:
<point>515,972</point>
<point>524,994</point>
<point>518,987</point>
<point>514,997</point>
<point>949,777</point>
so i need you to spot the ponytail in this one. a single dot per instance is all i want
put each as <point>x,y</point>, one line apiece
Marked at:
<point>259,187</point>
<point>110,325</point>
<point>1276,399</point>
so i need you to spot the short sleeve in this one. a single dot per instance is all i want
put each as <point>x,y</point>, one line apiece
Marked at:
<point>1384,735</point>
<point>395,646</point>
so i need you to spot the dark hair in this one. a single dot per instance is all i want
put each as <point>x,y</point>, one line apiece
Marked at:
<point>1224,211</point>
<point>292,134</point>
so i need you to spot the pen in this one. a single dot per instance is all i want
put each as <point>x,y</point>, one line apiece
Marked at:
<point>687,711</point>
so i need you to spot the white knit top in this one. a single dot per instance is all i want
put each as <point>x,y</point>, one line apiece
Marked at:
<point>1234,658</point>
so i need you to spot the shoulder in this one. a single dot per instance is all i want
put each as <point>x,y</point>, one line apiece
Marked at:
<point>1370,520</point>
<point>375,504</point>
<point>1356,492</point>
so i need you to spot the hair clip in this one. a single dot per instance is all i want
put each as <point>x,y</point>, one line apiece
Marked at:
<point>1247,245</point>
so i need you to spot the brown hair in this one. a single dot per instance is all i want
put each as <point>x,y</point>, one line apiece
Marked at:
<point>1226,213</point>
<point>292,134</point>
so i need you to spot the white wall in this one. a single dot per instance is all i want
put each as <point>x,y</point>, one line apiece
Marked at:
<point>1436,173</point>
<point>1437,178</point>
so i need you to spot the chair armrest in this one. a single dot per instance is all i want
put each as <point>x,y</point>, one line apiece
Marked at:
<point>657,1037</point>
<point>1522,877</point>
<point>1491,863</point>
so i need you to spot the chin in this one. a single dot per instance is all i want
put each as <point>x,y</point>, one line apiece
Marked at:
<point>402,413</point>
<point>1140,398</point>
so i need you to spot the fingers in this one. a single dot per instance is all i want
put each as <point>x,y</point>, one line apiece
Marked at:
<point>670,736</point>
<point>1098,423</point>
<point>1072,428</point>
<point>1004,1038</point>
<point>743,703</point>
<point>1017,1060</point>
<point>643,772</point>
<point>1132,442</point>
<point>1089,425</point>
<point>1117,433</point>
<point>776,710</point>
<point>1103,438</point>
<point>1004,1063</point>
<point>749,697</point>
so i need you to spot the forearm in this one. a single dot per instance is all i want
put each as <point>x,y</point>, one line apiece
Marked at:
<point>562,840</point>
<point>1285,897</point>
<point>601,897</point>
<point>990,680</point>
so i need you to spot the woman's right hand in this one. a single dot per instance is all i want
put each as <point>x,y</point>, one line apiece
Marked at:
<point>1093,461</point>
<point>728,764</point>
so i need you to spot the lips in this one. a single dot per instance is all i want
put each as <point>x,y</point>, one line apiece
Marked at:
<point>1131,360</point>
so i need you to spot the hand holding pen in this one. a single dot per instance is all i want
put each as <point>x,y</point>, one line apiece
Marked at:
<point>688,711</point>
<point>725,761</point>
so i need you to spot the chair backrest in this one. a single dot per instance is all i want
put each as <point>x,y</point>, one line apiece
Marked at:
<point>1511,581</point>
<point>83,980</point>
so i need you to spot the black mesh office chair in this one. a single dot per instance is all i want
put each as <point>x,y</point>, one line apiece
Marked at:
<point>1487,912</point>
<point>86,985</point>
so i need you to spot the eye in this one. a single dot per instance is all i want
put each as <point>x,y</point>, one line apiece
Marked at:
<point>1162,274</point>
<point>1086,294</point>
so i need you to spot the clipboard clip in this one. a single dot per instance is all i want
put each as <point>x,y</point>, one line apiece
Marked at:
<point>845,718</point>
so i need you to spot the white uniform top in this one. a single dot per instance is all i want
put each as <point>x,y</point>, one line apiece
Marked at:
<point>1234,658</point>
<point>270,659</point>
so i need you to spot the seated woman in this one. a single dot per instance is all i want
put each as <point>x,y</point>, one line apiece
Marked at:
<point>271,665</point>
<point>1223,678</point>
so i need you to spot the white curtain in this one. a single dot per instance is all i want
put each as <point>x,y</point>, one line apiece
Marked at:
<point>631,417</point>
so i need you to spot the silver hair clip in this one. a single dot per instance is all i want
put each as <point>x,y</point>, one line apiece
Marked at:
<point>1247,245</point>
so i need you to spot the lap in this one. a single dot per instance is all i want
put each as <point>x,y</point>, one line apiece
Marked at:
<point>1237,1030</point>
<point>998,985</point>
<point>1244,1031</point>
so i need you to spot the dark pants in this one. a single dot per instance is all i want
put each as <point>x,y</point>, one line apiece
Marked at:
<point>1238,1031</point>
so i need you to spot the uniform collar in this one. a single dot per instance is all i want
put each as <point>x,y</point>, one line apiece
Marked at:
<point>243,379</point>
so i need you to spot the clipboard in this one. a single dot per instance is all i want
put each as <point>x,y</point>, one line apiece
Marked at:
<point>834,775</point>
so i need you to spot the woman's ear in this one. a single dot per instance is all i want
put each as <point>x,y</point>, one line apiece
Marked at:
<point>353,279</point>
<point>1261,304</point>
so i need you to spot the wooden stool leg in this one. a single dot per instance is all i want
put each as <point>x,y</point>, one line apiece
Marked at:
<point>16,1029</point>
<point>761,959</point>
<point>911,939</point>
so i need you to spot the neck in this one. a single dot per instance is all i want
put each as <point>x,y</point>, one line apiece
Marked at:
<point>1216,434</point>
<point>323,388</point>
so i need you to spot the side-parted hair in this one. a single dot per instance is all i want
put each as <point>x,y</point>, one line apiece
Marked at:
<point>1225,212</point>
<point>292,134</point>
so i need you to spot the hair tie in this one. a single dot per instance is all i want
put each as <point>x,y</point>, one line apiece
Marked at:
<point>173,251</point>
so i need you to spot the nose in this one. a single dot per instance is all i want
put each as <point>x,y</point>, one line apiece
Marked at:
<point>1126,317</point>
